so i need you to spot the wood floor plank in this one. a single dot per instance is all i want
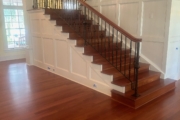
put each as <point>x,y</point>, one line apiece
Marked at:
<point>30,93</point>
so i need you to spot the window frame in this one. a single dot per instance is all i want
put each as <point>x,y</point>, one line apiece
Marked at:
<point>5,42</point>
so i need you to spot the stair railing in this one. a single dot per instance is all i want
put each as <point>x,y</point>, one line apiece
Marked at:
<point>117,46</point>
<point>50,4</point>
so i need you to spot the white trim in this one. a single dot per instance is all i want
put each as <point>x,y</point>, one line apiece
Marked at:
<point>12,57</point>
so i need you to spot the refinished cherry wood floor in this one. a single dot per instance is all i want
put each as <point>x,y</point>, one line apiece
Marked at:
<point>30,93</point>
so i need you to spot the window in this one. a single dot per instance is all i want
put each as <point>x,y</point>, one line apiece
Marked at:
<point>13,2</point>
<point>14,24</point>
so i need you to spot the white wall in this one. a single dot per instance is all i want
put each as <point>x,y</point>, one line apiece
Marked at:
<point>149,20</point>
<point>7,54</point>
<point>173,54</point>
<point>29,4</point>
<point>53,51</point>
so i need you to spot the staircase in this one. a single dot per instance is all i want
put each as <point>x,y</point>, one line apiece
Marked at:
<point>113,48</point>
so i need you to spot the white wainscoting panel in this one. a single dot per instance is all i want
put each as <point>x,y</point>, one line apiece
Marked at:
<point>46,27</point>
<point>62,55</point>
<point>109,11</point>
<point>157,52</point>
<point>79,66</point>
<point>35,23</point>
<point>154,20</point>
<point>129,13</point>
<point>38,53</point>
<point>48,48</point>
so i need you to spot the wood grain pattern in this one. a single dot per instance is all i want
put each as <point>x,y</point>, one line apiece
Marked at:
<point>30,93</point>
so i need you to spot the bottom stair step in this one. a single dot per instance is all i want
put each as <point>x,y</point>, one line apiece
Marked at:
<point>147,93</point>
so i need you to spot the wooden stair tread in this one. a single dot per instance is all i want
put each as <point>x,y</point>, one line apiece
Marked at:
<point>147,89</point>
<point>116,73</point>
<point>143,67</point>
<point>141,77</point>
<point>147,93</point>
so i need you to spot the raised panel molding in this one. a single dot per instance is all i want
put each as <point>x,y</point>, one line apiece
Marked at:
<point>48,49</point>
<point>95,77</point>
<point>46,28</point>
<point>173,69</point>
<point>62,58</point>
<point>109,11</point>
<point>78,65</point>
<point>38,54</point>
<point>129,14</point>
<point>35,23</point>
<point>175,19</point>
<point>156,54</point>
<point>96,8</point>
<point>154,20</point>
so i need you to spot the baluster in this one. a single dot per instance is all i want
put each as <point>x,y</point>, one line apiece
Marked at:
<point>39,2</point>
<point>69,4</point>
<point>34,4</point>
<point>121,53</point>
<point>91,26</point>
<point>130,59</point>
<point>135,62</point>
<point>49,4</point>
<point>136,69</point>
<point>125,55</point>
<point>76,4</point>
<point>71,23</point>
<point>59,4</point>
<point>88,15</point>
<point>109,52</point>
<point>56,4</point>
<point>99,31</point>
<point>72,4</point>
<point>116,48</point>
<point>112,46</point>
<point>85,33</point>
<point>105,42</point>
<point>101,37</point>
<point>64,4</point>
<point>42,3</point>
<point>79,21</point>
<point>94,39</point>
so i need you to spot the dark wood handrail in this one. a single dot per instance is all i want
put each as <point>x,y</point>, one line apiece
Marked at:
<point>111,23</point>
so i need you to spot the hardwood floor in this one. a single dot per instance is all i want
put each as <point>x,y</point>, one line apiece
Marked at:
<point>30,93</point>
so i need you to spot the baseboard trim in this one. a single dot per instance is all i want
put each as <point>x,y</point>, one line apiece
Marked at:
<point>12,57</point>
